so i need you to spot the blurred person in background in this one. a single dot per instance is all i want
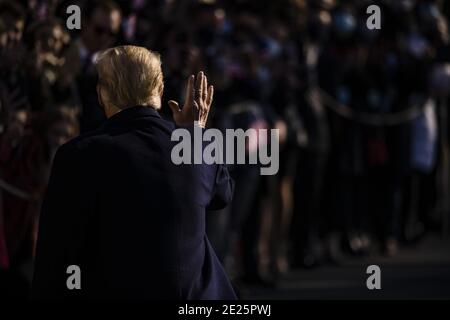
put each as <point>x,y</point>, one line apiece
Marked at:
<point>26,158</point>
<point>46,77</point>
<point>15,227</point>
<point>338,76</point>
<point>13,20</point>
<point>12,55</point>
<point>100,30</point>
<point>310,142</point>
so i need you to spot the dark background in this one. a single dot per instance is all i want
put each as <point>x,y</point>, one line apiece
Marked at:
<point>364,162</point>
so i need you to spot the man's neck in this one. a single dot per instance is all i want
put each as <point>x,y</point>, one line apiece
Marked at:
<point>112,110</point>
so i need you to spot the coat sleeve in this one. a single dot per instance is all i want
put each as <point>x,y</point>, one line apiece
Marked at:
<point>223,189</point>
<point>62,226</point>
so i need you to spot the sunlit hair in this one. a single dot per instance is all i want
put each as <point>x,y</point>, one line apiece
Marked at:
<point>130,76</point>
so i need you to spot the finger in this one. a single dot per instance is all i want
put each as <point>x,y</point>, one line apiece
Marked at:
<point>174,106</point>
<point>190,91</point>
<point>199,86</point>
<point>196,107</point>
<point>205,88</point>
<point>209,102</point>
<point>209,99</point>
<point>196,110</point>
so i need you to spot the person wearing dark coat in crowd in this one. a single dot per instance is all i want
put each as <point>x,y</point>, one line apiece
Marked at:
<point>119,208</point>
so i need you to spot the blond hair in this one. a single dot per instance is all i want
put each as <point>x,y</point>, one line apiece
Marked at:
<point>130,76</point>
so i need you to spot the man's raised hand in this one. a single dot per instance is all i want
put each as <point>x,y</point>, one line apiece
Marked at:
<point>197,102</point>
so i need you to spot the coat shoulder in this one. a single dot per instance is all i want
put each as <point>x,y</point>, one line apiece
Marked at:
<point>85,142</point>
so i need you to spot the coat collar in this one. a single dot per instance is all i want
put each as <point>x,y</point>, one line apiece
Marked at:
<point>129,114</point>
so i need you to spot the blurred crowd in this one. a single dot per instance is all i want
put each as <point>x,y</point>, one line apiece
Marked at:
<point>347,186</point>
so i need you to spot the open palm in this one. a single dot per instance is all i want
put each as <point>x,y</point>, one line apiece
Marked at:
<point>197,102</point>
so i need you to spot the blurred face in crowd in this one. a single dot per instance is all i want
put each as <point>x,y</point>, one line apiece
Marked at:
<point>17,122</point>
<point>12,30</point>
<point>102,29</point>
<point>51,39</point>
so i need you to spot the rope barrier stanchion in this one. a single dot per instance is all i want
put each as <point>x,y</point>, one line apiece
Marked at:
<point>318,95</point>
<point>15,191</point>
<point>367,118</point>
